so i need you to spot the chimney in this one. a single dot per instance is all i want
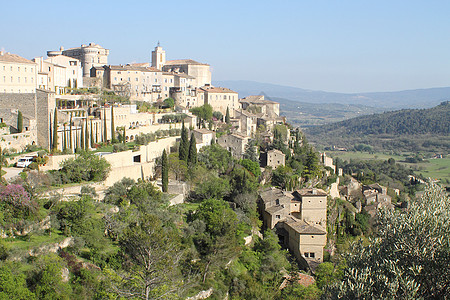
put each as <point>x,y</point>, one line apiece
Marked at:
<point>314,191</point>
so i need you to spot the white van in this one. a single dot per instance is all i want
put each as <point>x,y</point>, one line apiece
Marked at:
<point>24,161</point>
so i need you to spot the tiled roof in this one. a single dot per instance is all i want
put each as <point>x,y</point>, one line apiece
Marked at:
<point>213,89</point>
<point>14,58</point>
<point>302,227</point>
<point>133,68</point>
<point>183,62</point>
<point>203,131</point>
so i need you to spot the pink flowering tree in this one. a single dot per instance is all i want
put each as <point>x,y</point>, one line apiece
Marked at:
<point>16,204</point>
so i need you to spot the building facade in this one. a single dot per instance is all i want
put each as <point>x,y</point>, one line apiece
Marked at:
<point>17,74</point>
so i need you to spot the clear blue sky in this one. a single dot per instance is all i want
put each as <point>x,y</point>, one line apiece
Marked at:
<point>335,45</point>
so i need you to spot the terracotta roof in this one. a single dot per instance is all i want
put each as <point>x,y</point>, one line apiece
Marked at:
<point>183,62</point>
<point>302,227</point>
<point>213,89</point>
<point>13,58</point>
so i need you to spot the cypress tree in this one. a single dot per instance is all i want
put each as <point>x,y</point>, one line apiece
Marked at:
<point>105,130</point>
<point>184,144</point>
<point>192,158</point>
<point>86,136</point>
<point>113,128</point>
<point>165,172</point>
<point>64,138</point>
<point>55,131</point>
<point>1,162</point>
<point>227,116</point>
<point>124,135</point>
<point>19,122</point>
<point>92,135</point>
<point>82,146</point>
<point>96,132</point>
<point>70,133</point>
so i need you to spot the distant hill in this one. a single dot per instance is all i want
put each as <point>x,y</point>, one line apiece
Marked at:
<point>409,129</point>
<point>434,120</point>
<point>306,114</point>
<point>421,98</point>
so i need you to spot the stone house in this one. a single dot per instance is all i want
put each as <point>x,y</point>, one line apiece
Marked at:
<point>272,158</point>
<point>235,143</point>
<point>203,137</point>
<point>299,219</point>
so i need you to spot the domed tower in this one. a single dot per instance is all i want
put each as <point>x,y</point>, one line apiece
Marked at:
<point>158,57</point>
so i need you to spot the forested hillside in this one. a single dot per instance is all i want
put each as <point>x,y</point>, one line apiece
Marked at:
<point>408,130</point>
<point>407,121</point>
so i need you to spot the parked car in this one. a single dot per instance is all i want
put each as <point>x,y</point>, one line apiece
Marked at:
<point>24,161</point>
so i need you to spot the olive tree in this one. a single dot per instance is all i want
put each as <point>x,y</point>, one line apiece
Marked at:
<point>408,260</point>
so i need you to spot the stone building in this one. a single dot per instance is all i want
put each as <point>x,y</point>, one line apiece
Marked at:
<point>203,137</point>
<point>37,108</point>
<point>91,55</point>
<point>17,74</point>
<point>258,104</point>
<point>199,71</point>
<point>235,143</point>
<point>272,158</point>
<point>221,98</point>
<point>299,219</point>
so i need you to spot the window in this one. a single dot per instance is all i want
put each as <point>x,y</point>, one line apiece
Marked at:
<point>18,69</point>
<point>277,216</point>
<point>306,254</point>
<point>277,202</point>
<point>312,255</point>
<point>25,69</point>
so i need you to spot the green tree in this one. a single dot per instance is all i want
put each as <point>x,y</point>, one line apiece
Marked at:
<point>192,157</point>
<point>83,145</point>
<point>227,116</point>
<point>47,278</point>
<point>124,135</point>
<point>86,135</point>
<point>55,131</point>
<point>113,128</point>
<point>151,252</point>
<point>251,166</point>
<point>169,102</point>
<point>70,133</point>
<point>406,260</point>
<point>85,167</point>
<point>165,172</point>
<point>13,284</point>
<point>91,134</point>
<point>64,139</point>
<point>216,238</point>
<point>215,157</point>
<point>105,129</point>
<point>19,122</point>
<point>250,151</point>
<point>184,144</point>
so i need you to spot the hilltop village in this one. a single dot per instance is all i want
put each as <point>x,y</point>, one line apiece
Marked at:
<point>81,127</point>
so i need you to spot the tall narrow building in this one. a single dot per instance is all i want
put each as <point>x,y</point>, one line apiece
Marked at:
<point>158,57</point>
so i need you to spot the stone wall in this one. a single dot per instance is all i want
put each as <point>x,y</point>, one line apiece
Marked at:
<point>46,104</point>
<point>26,103</point>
